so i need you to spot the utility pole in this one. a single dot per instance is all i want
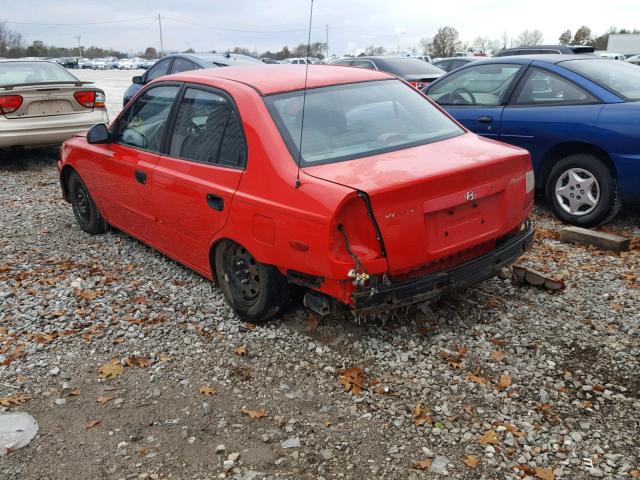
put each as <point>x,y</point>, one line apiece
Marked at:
<point>78,37</point>
<point>161,44</point>
<point>327,41</point>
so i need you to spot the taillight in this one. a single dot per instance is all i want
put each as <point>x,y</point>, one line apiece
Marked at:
<point>86,98</point>
<point>10,103</point>
<point>100,100</point>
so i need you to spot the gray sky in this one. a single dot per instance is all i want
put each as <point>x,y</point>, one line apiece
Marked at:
<point>269,24</point>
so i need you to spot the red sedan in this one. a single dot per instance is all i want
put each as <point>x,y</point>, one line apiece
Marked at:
<point>370,196</point>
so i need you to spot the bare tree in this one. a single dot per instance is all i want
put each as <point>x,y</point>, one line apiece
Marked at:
<point>565,38</point>
<point>582,36</point>
<point>445,42</point>
<point>371,50</point>
<point>529,38</point>
<point>483,43</point>
<point>426,44</point>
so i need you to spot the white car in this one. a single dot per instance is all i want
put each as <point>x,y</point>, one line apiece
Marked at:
<point>635,59</point>
<point>611,55</point>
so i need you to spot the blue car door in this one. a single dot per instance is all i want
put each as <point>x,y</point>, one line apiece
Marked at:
<point>547,109</point>
<point>476,95</point>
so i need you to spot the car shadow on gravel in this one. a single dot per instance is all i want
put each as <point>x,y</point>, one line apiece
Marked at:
<point>23,160</point>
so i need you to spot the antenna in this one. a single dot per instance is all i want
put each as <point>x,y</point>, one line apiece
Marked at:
<point>304,94</point>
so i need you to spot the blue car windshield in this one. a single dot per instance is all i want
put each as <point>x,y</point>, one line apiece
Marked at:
<point>621,78</point>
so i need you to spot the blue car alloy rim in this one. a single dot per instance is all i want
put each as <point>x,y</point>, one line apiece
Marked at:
<point>577,192</point>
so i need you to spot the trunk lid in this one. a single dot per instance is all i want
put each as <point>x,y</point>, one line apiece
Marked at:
<point>46,100</point>
<point>447,199</point>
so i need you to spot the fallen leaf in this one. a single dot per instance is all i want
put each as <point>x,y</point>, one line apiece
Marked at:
<point>104,400</point>
<point>254,413</point>
<point>545,473</point>
<point>75,392</point>
<point>327,423</point>
<point>14,400</point>
<point>43,338</point>
<point>4,268</point>
<point>421,415</point>
<point>91,423</point>
<point>635,473</point>
<point>134,361</point>
<point>143,452</point>
<point>18,352</point>
<point>489,437</point>
<point>498,355</point>
<point>241,351</point>
<point>505,381</point>
<point>111,370</point>
<point>472,377</point>
<point>141,300</point>
<point>248,326</point>
<point>424,464</point>
<point>313,322</point>
<point>471,461</point>
<point>119,340</point>
<point>352,380</point>
<point>469,409</point>
<point>207,391</point>
<point>88,294</point>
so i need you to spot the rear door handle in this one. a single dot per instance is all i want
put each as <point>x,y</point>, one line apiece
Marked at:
<point>141,177</point>
<point>485,119</point>
<point>215,202</point>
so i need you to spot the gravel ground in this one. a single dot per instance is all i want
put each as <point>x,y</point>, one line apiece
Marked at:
<point>135,368</point>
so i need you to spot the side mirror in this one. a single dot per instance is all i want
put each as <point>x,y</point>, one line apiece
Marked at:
<point>137,80</point>
<point>98,134</point>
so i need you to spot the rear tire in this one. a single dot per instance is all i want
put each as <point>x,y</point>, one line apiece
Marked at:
<point>84,208</point>
<point>582,191</point>
<point>256,291</point>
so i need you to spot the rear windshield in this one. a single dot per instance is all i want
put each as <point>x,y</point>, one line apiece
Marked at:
<point>343,122</point>
<point>621,78</point>
<point>12,73</point>
<point>408,66</point>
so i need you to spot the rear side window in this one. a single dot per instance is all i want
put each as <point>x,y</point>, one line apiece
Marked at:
<point>143,124</point>
<point>541,87</point>
<point>159,69</point>
<point>621,78</point>
<point>182,65</point>
<point>208,130</point>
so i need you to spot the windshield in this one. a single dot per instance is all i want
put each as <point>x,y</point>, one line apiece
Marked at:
<point>343,122</point>
<point>408,66</point>
<point>17,73</point>
<point>620,77</point>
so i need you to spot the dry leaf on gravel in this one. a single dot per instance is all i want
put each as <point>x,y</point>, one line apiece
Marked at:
<point>635,473</point>
<point>104,400</point>
<point>254,413</point>
<point>248,326</point>
<point>43,338</point>
<point>134,361</point>
<point>498,355</point>
<point>505,381</point>
<point>74,393</point>
<point>424,464</point>
<point>471,461</point>
<point>472,377</point>
<point>207,391</point>
<point>143,452</point>
<point>352,380</point>
<point>14,400</point>
<point>489,437</point>
<point>313,322</point>
<point>545,473</point>
<point>111,370</point>
<point>18,352</point>
<point>87,294</point>
<point>91,423</point>
<point>421,415</point>
<point>241,351</point>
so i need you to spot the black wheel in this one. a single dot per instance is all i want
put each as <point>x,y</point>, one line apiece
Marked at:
<point>84,208</point>
<point>254,290</point>
<point>582,191</point>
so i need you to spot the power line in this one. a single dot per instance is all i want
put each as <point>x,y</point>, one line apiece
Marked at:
<point>79,24</point>
<point>236,29</point>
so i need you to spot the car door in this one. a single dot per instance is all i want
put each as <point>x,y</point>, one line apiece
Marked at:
<point>124,167</point>
<point>547,109</point>
<point>195,183</point>
<point>475,96</point>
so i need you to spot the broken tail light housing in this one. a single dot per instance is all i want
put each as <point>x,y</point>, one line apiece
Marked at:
<point>86,98</point>
<point>10,103</point>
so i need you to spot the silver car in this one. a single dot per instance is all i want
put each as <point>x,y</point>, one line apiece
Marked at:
<point>42,104</point>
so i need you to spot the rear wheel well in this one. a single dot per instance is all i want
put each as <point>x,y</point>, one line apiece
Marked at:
<point>64,180</point>
<point>562,150</point>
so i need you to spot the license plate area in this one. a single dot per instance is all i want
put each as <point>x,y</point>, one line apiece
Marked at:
<point>48,107</point>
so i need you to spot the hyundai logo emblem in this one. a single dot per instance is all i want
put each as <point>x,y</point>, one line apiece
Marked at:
<point>470,196</point>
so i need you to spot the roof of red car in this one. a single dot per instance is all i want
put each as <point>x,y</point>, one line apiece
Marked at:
<point>269,79</point>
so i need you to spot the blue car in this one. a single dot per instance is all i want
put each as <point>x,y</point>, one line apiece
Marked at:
<point>578,116</point>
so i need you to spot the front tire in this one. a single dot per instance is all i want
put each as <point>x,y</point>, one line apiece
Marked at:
<point>84,208</point>
<point>582,191</point>
<point>254,290</point>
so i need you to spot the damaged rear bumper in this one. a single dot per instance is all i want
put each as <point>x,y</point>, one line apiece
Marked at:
<point>415,290</point>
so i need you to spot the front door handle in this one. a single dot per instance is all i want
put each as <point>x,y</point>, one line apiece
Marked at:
<point>485,119</point>
<point>141,177</point>
<point>215,202</point>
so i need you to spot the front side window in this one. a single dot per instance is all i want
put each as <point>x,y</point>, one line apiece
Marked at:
<point>143,124</point>
<point>159,69</point>
<point>541,87</point>
<point>343,122</point>
<point>621,78</point>
<point>483,85</point>
<point>208,130</point>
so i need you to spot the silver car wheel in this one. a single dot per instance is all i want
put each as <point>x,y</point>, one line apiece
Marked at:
<point>577,191</point>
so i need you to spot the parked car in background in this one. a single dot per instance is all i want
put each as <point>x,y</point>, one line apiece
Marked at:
<point>576,114</point>
<point>634,59</point>
<point>297,61</point>
<point>611,55</point>
<point>451,63</point>
<point>424,58</point>
<point>546,49</point>
<point>43,104</point>
<point>182,62</point>
<point>380,201</point>
<point>417,72</point>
